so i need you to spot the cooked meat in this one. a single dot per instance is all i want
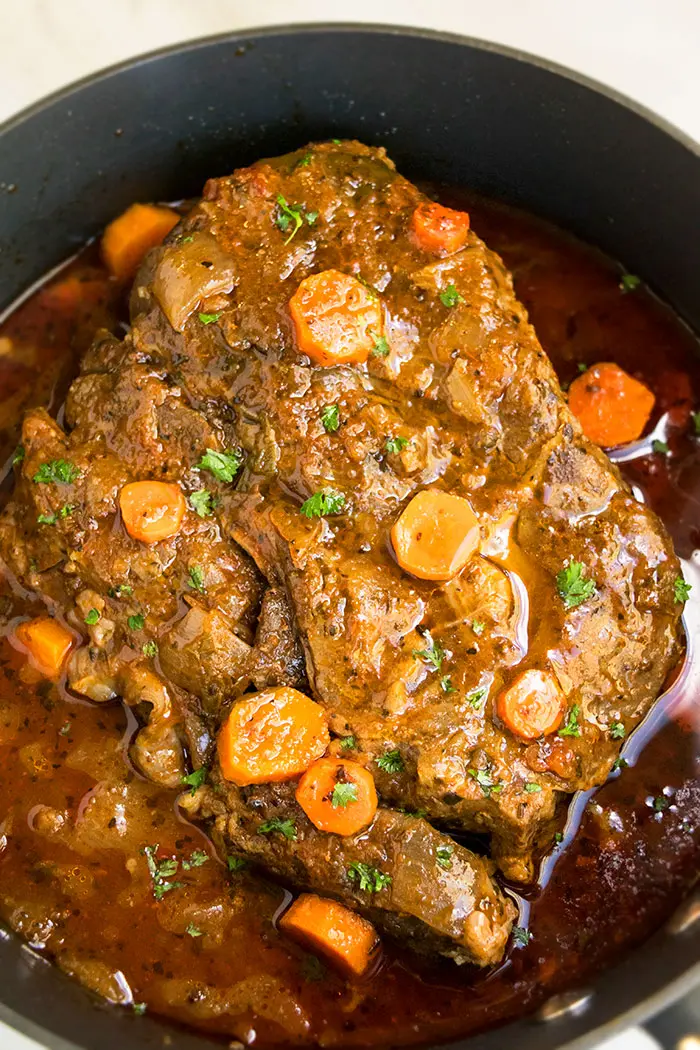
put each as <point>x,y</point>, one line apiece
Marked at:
<point>279,569</point>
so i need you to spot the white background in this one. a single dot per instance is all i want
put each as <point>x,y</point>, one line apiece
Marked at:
<point>648,49</point>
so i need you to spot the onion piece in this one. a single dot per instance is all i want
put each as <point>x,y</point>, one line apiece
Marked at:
<point>190,272</point>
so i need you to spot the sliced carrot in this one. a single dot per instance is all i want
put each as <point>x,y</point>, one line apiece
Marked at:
<point>152,510</point>
<point>611,406</point>
<point>338,796</point>
<point>337,319</point>
<point>48,643</point>
<point>436,535</point>
<point>127,239</point>
<point>439,229</point>
<point>347,940</point>
<point>270,736</point>
<point>533,705</point>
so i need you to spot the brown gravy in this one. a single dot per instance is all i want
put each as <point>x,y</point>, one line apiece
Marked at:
<point>75,816</point>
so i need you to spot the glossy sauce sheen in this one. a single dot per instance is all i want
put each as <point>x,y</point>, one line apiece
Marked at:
<point>75,817</point>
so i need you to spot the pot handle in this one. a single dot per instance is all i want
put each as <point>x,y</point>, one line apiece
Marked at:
<point>678,1028</point>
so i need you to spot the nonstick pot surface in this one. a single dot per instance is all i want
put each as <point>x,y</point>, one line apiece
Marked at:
<point>447,109</point>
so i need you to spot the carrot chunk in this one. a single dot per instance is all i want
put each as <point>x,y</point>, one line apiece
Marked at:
<point>47,642</point>
<point>338,796</point>
<point>533,705</point>
<point>337,319</point>
<point>347,940</point>
<point>436,535</point>
<point>611,406</point>
<point>152,510</point>
<point>438,229</point>
<point>270,736</point>
<point>127,239</point>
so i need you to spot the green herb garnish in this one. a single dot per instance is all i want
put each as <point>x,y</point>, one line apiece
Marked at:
<point>287,828</point>
<point>532,788</point>
<point>202,502</point>
<point>223,465</point>
<point>51,519</point>
<point>209,318</point>
<point>196,779</point>
<point>330,417</point>
<point>236,864</point>
<point>617,731</point>
<point>443,855</point>
<point>660,446</point>
<point>347,742</point>
<point>394,445</point>
<point>92,617</point>
<point>56,471</point>
<point>291,217</point>
<point>312,969</point>
<point>521,936</point>
<point>620,763</point>
<point>629,282</point>
<point>135,622</point>
<point>478,626</point>
<point>695,416</point>
<point>192,930</point>
<point>197,578</point>
<point>20,453</point>
<point>574,588</point>
<point>343,795</point>
<point>370,879</point>
<point>161,872</point>
<point>681,590</point>
<point>321,503</point>
<point>381,347</point>
<point>391,761</point>
<point>450,297</point>
<point>571,727</point>
<point>195,860</point>
<point>446,684</point>
<point>487,785</point>
<point>433,655</point>
<point>476,696</point>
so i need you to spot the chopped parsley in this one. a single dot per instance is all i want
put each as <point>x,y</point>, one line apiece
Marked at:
<point>391,762</point>
<point>347,742</point>
<point>139,1009</point>
<point>629,282</point>
<point>291,217</point>
<point>521,936</point>
<point>150,649</point>
<point>381,347</point>
<point>330,417</point>
<point>196,860</point>
<point>92,617</point>
<point>65,729</point>
<point>197,578</point>
<point>192,930</point>
<point>312,969</point>
<point>660,803</point>
<point>321,503</point>
<point>209,318</point>
<point>487,785</point>
<point>571,727</point>
<point>620,763</point>
<point>582,367</point>
<point>287,828</point>
<point>443,855</point>
<point>476,696</point>
<point>394,445</point>
<point>56,471</point>
<point>51,519</point>
<point>532,788</point>
<point>122,591</point>
<point>681,589</point>
<point>19,454</point>
<point>450,297</point>
<point>660,446</point>
<point>573,586</point>
<point>478,626</point>
<point>446,684</point>
<point>433,655</point>
<point>695,416</point>
<point>135,622</point>
<point>370,879</point>
<point>343,794</point>
<point>223,465</point>
<point>161,871</point>
<point>196,779</point>
<point>617,731</point>
<point>558,837</point>
<point>236,864</point>
<point>202,502</point>
<point>304,161</point>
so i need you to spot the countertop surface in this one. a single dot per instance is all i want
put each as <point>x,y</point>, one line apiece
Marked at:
<point>647,50</point>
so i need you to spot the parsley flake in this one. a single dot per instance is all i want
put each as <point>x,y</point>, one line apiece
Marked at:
<point>343,795</point>
<point>660,446</point>
<point>291,216</point>
<point>681,590</point>
<point>192,930</point>
<point>370,879</point>
<point>574,588</point>
<point>322,503</point>
<point>443,855</point>
<point>446,684</point>
<point>629,282</point>
<point>478,626</point>
<point>532,788</point>
<point>135,622</point>
<point>391,762</point>
<point>51,519</point>
<point>660,803</point>
<point>223,465</point>
<point>56,471</point>
<point>450,297</point>
<point>122,591</point>
<point>620,763</point>
<point>304,161</point>
<point>381,347</point>
<point>476,696</point>
<point>161,872</point>
<point>521,936</point>
<point>433,655</point>
<point>236,864</point>
<point>695,416</point>
<point>92,617</point>
<point>202,502</point>
<point>347,743</point>
<point>330,417</point>
<point>571,727</point>
<point>197,858</point>
<point>287,828</point>
<point>19,454</point>
<point>150,649</point>
<point>483,778</point>
<point>394,445</point>
<point>617,731</point>
<point>197,578</point>
<point>139,1009</point>
<point>209,318</point>
<point>196,779</point>
<point>312,969</point>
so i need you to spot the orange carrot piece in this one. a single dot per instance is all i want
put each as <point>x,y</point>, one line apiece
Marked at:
<point>337,319</point>
<point>271,736</point>
<point>152,510</point>
<point>611,406</point>
<point>436,535</point>
<point>338,796</point>
<point>330,929</point>
<point>47,642</point>
<point>128,237</point>
<point>533,705</point>
<point>438,229</point>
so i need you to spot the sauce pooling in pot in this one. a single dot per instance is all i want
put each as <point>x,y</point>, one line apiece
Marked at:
<point>79,827</point>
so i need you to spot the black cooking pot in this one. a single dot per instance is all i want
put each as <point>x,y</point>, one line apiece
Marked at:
<point>447,109</point>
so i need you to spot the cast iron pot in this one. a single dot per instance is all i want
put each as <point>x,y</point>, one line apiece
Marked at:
<point>447,109</point>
